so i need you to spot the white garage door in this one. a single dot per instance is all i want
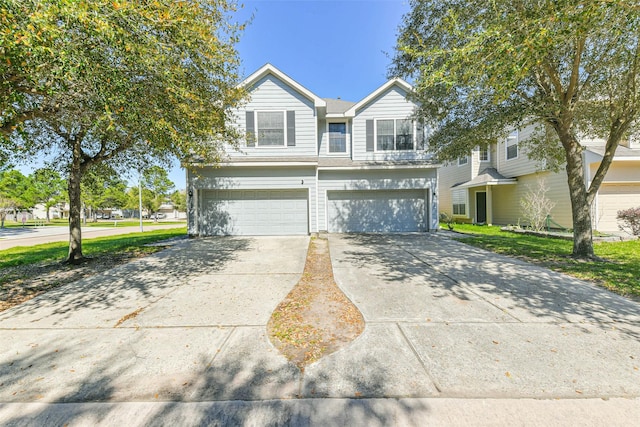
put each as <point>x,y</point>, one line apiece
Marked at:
<point>376,211</point>
<point>611,199</point>
<point>254,212</point>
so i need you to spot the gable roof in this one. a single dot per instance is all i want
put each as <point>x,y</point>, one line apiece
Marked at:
<point>489,176</point>
<point>270,69</point>
<point>351,112</point>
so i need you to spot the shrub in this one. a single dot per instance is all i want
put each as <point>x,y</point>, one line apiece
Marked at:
<point>447,219</point>
<point>536,206</point>
<point>630,219</point>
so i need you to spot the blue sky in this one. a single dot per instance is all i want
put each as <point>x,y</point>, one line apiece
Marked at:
<point>333,48</point>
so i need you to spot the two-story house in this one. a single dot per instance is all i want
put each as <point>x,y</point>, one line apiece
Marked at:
<point>310,164</point>
<point>488,185</point>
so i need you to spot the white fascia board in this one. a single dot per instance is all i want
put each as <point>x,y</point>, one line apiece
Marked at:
<point>365,167</point>
<point>267,164</point>
<point>626,159</point>
<point>351,112</point>
<point>270,69</point>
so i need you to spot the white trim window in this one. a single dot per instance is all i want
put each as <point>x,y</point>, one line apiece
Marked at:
<point>394,135</point>
<point>337,137</point>
<point>463,160</point>
<point>271,129</point>
<point>511,145</point>
<point>459,202</point>
<point>483,154</point>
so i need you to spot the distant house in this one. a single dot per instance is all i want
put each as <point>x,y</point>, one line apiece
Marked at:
<point>312,164</point>
<point>170,212</point>
<point>487,185</point>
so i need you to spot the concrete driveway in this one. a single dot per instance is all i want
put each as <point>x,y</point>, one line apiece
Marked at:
<point>180,338</point>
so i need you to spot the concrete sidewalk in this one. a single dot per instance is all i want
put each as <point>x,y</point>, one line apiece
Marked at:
<point>454,336</point>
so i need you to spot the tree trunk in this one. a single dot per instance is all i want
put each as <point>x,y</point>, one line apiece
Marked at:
<point>75,206</point>
<point>580,206</point>
<point>48,218</point>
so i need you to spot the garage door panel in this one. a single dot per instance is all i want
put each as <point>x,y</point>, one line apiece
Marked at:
<point>255,212</point>
<point>376,211</point>
<point>613,198</point>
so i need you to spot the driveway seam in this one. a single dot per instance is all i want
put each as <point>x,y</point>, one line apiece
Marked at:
<point>222,347</point>
<point>415,353</point>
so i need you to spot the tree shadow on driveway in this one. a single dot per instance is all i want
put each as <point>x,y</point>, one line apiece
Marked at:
<point>111,294</point>
<point>525,292</point>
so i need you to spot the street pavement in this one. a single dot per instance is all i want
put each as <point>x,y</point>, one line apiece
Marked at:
<point>454,336</point>
<point>31,235</point>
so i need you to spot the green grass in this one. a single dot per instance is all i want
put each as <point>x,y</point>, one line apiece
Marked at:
<point>620,274</point>
<point>57,251</point>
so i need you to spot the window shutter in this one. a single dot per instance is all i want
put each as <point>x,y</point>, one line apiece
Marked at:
<point>291,128</point>
<point>251,130</point>
<point>369,126</point>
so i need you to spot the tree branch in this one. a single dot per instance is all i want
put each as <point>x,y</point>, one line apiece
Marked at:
<point>572,93</point>
<point>9,124</point>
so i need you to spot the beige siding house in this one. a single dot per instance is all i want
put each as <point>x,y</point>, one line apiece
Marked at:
<point>488,185</point>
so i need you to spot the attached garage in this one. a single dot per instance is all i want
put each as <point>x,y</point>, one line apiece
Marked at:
<point>611,199</point>
<point>254,212</point>
<point>376,211</point>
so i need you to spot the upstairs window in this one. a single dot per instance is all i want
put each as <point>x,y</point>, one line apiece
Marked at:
<point>337,137</point>
<point>483,154</point>
<point>463,160</point>
<point>394,135</point>
<point>404,135</point>
<point>512,145</point>
<point>270,129</point>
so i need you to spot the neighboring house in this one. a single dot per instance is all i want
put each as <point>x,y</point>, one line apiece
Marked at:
<point>487,186</point>
<point>310,164</point>
<point>170,211</point>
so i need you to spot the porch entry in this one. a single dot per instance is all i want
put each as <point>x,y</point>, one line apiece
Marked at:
<point>481,207</point>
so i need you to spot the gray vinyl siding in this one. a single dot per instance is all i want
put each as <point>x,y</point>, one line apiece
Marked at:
<point>331,180</point>
<point>390,104</point>
<point>272,94</point>
<point>254,178</point>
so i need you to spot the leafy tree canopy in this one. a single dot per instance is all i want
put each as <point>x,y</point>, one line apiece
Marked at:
<point>123,82</point>
<point>16,190</point>
<point>484,67</point>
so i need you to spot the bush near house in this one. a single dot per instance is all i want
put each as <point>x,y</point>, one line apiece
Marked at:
<point>630,219</point>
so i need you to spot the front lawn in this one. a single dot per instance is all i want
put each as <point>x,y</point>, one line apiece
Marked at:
<point>26,272</point>
<point>57,251</point>
<point>621,274</point>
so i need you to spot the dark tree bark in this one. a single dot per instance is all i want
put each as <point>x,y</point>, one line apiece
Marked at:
<point>580,205</point>
<point>75,205</point>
